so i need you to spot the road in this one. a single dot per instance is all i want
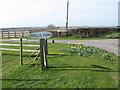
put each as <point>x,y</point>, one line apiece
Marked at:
<point>111,45</point>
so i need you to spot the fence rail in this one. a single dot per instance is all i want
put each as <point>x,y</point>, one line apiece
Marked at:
<point>14,33</point>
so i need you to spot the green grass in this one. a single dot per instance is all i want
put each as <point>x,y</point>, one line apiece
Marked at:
<point>66,70</point>
<point>17,47</point>
<point>113,35</point>
<point>68,38</point>
<point>13,42</point>
<point>14,38</point>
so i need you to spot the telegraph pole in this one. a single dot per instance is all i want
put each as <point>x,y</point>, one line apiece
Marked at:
<point>67,16</point>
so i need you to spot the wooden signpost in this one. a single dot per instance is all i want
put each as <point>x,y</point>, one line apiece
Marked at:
<point>43,46</point>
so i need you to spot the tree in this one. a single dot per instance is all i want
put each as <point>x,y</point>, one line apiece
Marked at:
<point>51,26</point>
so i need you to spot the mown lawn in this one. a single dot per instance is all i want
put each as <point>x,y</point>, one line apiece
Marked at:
<point>66,70</point>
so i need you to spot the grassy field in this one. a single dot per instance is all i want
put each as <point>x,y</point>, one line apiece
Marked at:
<point>66,70</point>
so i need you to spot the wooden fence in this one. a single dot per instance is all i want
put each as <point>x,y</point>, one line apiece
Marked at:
<point>14,33</point>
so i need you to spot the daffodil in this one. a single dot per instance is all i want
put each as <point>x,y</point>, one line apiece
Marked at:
<point>80,46</point>
<point>80,43</point>
<point>85,45</point>
<point>84,48</point>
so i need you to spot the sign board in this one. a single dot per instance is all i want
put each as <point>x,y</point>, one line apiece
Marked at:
<point>41,35</point>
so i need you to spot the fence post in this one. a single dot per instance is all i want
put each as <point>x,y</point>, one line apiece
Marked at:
<point>21,52</point>
<point>43,55</point>
<point>2,34</point>
<point>8,34</point>
<point>15,33</point>
<point>22,33</point>
<point>46,47</point>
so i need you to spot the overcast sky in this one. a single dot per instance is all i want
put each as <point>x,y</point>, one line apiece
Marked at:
<point>27,13</point>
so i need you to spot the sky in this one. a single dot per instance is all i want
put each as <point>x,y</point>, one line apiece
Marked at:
<point>37,13</point>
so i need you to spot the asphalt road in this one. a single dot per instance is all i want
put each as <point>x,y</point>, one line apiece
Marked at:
<point>111,45</point>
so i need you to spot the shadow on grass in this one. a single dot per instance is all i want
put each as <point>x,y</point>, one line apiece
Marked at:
<point>56,55</point>
<point>96,68</point>
<point>17,54</point>
<point>24,79</point>
<point>83,68</point>
<point>32,65</point>
<point>59,55</point>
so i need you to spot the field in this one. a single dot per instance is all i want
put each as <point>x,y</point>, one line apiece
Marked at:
<point>66,70</point>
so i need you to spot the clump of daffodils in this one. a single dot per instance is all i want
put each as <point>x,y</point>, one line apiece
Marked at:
<point>84,50</point>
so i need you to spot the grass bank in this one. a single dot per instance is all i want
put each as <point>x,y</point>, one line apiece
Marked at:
<point>66,70</point>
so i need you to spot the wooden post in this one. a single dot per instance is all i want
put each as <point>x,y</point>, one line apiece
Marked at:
<point>8,34</point>
<point>43,55</point>
<point>15,34</point>
<point>34,51</point>
<point>53,41</point>
<point>22,33</point>
<point>46,47</point>
<point>21,53</point>
<point>37,56</point>
<point>2,34</point>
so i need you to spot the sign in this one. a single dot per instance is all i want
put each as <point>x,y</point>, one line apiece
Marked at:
<point>43,46</point>
<point>41,35</point>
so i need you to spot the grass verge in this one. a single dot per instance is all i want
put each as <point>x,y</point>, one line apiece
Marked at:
<point>66,70</point>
